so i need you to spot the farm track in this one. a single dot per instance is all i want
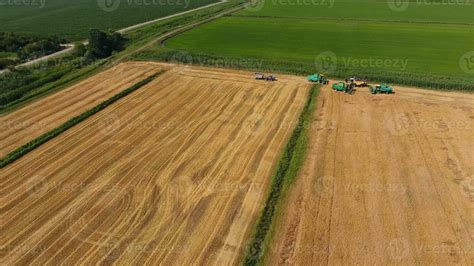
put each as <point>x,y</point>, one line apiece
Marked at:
<point>174,173</point>
<point>388,180</point>
<point>29,122</point>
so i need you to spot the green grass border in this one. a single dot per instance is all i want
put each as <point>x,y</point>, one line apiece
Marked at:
<point>137,39</point>
<point>48,88</point>
<point>288,166</point>
<point>426,81</point>
<point>21,151</point>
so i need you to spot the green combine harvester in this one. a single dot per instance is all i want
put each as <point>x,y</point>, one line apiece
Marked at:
<point>343,87</point>
<point>318,78</point>
<point>382,88</point>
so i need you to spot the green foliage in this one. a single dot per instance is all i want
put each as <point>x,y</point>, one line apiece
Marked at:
<point>301,68</point>
<point>31,83</point>
<point>439,11</point>
<point>5,62</point>
<point>28,47</point>
<point>50,87</point>
<point>79,49</point>
<point>287,169</point>
<point>102,44</point>
<point>405,48</point>
<point>18,83</point>
<point>72,19</point>
<point>21,151</point>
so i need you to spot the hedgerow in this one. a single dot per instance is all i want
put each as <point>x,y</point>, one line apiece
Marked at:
<point>21,151</point>
<point>290,162</point>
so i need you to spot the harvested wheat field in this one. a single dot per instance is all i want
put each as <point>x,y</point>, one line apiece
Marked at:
<point>388,180</point>
<point>39,117</point>
<point>175,173</point>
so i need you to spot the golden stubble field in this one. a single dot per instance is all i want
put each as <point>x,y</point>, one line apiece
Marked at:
<point>36,118</point>
<point>388,180</point>
<point>175,173</point>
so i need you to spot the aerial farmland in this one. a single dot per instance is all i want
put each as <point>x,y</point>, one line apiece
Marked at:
<point>237,132</point>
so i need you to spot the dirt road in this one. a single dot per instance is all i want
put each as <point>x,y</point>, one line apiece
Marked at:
<point>70,46</point>
<point>174,173</point>
<point>39,117</point>
<point>388,180</point>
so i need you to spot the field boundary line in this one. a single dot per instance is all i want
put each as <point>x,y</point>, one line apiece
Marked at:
<point>289,164</point>
<point>30,146</point>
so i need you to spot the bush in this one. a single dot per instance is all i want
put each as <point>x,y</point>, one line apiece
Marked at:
<point>79,49</point>
<point>5,62</point>
<point>102,44</point>
<point>27,46</point>
<point>17,84</point>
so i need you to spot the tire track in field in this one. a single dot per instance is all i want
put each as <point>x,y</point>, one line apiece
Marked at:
<point>395,187</point>
<point>49,112</point>
<point>164,178</point>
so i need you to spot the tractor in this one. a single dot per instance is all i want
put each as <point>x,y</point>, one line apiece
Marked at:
<point>382,88</point>
<point>271,78</point>
<point>318,78</point>
<point>343,87</point>
<point>259,76</point>
<point>357,82</point>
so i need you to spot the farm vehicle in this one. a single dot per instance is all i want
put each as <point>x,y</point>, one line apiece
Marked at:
<point>259,76</point>
<point>382,88</point>
<point>318,78</point>
<point>357,82</point>
<point>344,87</point>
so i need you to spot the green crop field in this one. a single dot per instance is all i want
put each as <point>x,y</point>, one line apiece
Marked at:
<point>73,18</point>
<point>366,38</point>
<point>415,11</point>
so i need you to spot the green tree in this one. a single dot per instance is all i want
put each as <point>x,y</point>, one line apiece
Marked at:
<point>102,44</point>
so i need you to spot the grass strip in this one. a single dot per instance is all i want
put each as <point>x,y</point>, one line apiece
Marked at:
<point>428,81</point>
<point>19,152</point>
<point>290,162</point>
<point>48,88</point>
